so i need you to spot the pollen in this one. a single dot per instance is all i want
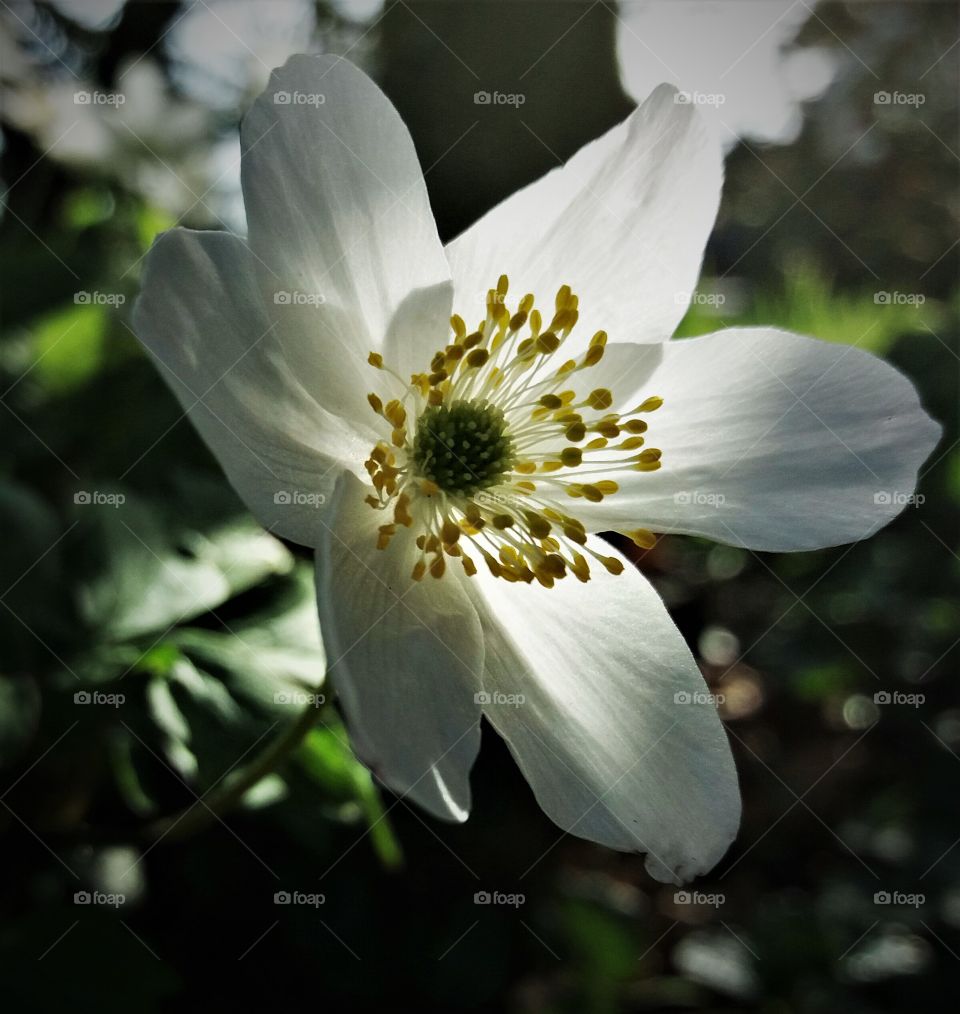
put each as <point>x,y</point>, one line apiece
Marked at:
<point>487,452</point>
<point>463,447</point>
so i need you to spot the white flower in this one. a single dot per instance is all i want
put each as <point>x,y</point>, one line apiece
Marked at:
<point>454,514</point>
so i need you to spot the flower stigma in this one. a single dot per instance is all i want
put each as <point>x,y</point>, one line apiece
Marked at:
<point>492,446</point>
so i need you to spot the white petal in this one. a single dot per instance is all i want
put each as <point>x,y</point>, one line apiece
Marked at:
<point>773,441</point>
<point>200,314</point>
<point>419,329</point>
<point>624,223</point>
<point>614,730</point>
<point>337,209</point>
<point>405,657</point>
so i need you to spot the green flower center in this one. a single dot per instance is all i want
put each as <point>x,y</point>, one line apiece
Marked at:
<point>463,447</point>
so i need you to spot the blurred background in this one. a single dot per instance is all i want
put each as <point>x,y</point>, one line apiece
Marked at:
<point>154,640</point>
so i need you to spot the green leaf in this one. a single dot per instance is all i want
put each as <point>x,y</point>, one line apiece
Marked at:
<point>273,680</point>
<point>326,757</point>
<point>69,345</point>
<point>122,747</point>
<point>272,660</point>
<point>156,571</point>
<point>88,206</point>
<point>150,223</point>
<point>19,715</point>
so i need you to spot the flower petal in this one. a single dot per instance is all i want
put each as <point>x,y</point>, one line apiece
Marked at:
<point>338,211</point>
<point>405,658</point>
<point>201,316</point>
<point>419,329</point>
<point>773,441</point>
<point>624,223</point>
<point>614,730</point>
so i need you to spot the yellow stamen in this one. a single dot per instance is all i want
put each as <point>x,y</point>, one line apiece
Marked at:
<point>499,416</point>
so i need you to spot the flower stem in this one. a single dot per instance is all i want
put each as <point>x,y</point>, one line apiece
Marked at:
<point>206,810</point>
